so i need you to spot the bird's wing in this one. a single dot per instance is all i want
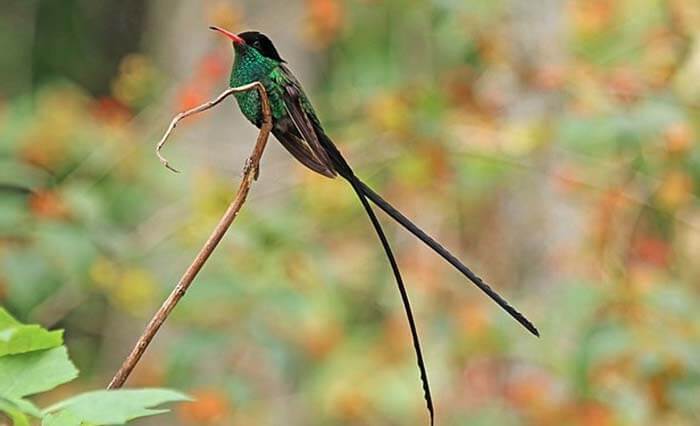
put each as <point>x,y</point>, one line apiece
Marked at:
<point>295,146</point>
<point>302,116</point>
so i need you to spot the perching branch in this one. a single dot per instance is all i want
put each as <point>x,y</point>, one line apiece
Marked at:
<point>250,173</point>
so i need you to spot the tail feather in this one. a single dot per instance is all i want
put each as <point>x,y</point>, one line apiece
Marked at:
<point>404,295</point>
<point>449,257</point>
<point>343,169</point>
<point>364,192</point>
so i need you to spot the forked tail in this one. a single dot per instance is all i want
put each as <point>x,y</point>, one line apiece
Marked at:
<point>449,257</point>
<point>344,169</point>
<point>364,192</point>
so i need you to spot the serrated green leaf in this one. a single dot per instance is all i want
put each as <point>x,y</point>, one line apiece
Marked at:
<point>17,338</point>
<point>34,372</point>
<point>117,407</point>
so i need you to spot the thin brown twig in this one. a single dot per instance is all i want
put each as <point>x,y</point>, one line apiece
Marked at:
<point>250,174</point>
<point>205,106</point>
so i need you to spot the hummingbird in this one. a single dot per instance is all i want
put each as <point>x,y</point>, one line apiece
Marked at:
<point>297,127</point>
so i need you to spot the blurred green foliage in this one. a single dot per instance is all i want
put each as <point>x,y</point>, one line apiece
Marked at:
<point>35,361</point>
<point>552,145</point>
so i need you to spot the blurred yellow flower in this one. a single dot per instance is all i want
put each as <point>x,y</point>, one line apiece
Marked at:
<point>224,14</point>
<point>135,291</point>
<point>136,82</point>
<point>676,189</point>
<point>521,137</point>
<point>389,112</point>
<point>104,273</point>
<point>686,83</point>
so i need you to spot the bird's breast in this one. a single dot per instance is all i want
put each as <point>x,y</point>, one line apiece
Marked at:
<point>249,102</point>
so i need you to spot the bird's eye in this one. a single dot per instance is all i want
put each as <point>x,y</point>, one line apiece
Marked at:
<point>256,43</point>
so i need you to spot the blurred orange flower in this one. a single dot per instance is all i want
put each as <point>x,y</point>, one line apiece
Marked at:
<point>592,16</point>
<point>625,85</point>
<point>652,250</point>
<point>679,137</point>
<point>593,414</point>
<point>48,205</point>
<point>325,19</point>
<point>210,407</point>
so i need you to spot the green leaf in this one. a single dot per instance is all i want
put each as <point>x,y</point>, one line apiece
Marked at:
<point>62,418</point>
<point>117,407</point>
<point>34,372</point>
<point>17,409</point>
<point>16,415</point>
<point>23,405</point>
<point>17,338</point>
<point>7,320</point>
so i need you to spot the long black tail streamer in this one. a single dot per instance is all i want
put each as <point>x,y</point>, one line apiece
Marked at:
<point>364,192</point>
<point>404,295</point>
<point>344,169</point>
<point>449,257</point>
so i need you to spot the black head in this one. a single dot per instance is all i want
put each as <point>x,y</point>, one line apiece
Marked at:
<point>252,39</point>
<point>261,43</point>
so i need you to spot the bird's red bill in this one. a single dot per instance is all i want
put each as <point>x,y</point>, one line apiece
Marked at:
<point>235,38</point>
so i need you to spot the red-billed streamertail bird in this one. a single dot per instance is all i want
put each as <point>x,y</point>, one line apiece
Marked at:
<point>298,129</point>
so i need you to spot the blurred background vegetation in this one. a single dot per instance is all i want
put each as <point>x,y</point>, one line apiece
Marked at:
<point>552,144</point>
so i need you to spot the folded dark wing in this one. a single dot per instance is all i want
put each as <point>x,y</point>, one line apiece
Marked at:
<point>302,153</point>
<point>292,95</point>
